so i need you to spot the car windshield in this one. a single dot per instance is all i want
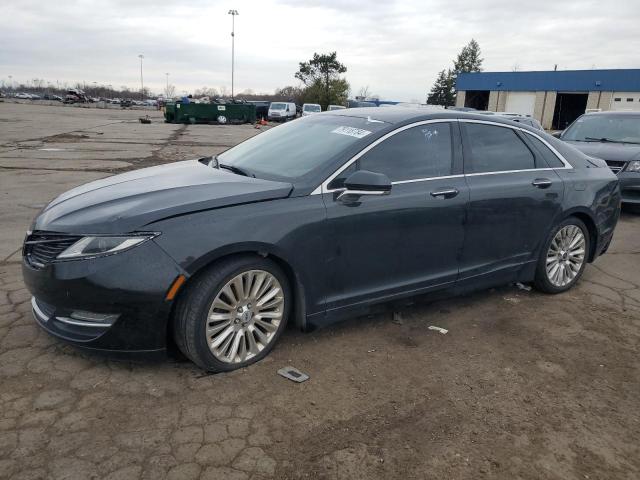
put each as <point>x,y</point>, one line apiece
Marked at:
<point>278,106</point>
<point>613,128</point>
<point>312,108</point>
<point>294,149</point>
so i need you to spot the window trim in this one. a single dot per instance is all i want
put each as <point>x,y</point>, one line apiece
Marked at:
<point>324,186</point>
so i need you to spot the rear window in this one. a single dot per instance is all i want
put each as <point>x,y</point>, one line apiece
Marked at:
<point>549,157</point>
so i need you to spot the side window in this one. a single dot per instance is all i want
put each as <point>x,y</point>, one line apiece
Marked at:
<point>419,152</point>
<point>495,149</point>
<point>549,157</point>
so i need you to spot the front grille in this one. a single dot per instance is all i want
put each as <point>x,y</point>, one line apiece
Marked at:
<point>616,165</point>
<point>42,248</point>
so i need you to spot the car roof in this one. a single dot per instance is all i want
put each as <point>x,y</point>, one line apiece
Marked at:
<point>622,113</point>
<point>402,115</point>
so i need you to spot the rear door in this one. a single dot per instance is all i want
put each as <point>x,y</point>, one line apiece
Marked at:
<point>407,241</point>
<point>515,198</point>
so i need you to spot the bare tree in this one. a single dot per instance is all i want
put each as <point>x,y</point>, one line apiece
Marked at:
<point>205,92</point>
<point>364,92</point>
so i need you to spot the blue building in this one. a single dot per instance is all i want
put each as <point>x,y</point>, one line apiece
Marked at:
<point>555,98</point>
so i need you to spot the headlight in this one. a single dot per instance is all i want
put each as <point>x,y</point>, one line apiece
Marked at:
<point>633,166</point>
<point>97,246</point>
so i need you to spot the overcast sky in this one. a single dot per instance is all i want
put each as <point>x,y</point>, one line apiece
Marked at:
<point>396,48</point>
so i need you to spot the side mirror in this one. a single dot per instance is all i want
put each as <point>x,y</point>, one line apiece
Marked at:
<point>557,134</point>
<point>364,182</point>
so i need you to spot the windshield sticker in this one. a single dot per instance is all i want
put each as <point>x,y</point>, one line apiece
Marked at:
<point>351,131</point>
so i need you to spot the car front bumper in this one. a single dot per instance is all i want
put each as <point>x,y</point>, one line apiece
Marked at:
<point>630,187</point>
<point>127,289</point>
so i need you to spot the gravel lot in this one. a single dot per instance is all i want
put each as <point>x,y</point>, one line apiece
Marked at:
<point>524,385</point>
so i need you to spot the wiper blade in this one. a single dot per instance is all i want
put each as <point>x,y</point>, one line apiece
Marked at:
<point>234,169</point>
<point>609,140</point>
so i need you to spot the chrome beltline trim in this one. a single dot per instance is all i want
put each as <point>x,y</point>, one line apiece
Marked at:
<point>323,187</point>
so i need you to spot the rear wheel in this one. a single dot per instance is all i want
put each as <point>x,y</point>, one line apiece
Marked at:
<point>564,257</point>
<point>232,315</point>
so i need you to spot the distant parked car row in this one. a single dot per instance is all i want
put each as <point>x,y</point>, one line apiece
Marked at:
<point>283,111</point>
<point>75,95</point>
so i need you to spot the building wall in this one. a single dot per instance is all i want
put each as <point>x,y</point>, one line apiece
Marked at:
<point>600,100</point>
<point>547,107</point>
<point>545,103</point>
<point>497,101</point>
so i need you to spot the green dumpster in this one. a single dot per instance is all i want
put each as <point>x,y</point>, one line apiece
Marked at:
<point>210,113</point>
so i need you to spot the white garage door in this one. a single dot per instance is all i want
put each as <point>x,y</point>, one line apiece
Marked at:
<point>521,102</point>
<point>626,101</point>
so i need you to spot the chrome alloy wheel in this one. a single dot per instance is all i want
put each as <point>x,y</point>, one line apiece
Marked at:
<point>245,315</point>
<point>566,255</point>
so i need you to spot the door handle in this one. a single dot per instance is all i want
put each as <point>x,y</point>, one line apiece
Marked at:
<point>542,183</point>
<point>445,193</point>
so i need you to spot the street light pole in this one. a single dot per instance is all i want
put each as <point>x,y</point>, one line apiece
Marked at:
<point>166,93</point>
<point>233,14</point>
<point>141,81</point>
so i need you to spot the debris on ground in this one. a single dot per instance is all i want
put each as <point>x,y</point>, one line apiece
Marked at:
<point>145,119</point>
<point>512,299</point>
<point>371,351</point>
<point>522,286</point>
<point>397,318</point>
<point>443,331</point>
<point>293,374</point>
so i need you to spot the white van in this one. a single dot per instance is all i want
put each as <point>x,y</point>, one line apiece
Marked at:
<point>281,111</point>
<point>310,109</point>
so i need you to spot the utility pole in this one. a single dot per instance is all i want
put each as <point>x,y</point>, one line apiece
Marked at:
<point>233,14</point>
<point>141,81</point>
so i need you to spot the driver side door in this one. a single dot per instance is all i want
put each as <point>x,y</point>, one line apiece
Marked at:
<point>388,246</point>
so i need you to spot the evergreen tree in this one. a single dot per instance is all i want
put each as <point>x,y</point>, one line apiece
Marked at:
<point>468,59</point>
<point>442,90</point>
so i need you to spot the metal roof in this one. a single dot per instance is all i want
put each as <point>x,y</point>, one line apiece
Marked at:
<point>561,81</point>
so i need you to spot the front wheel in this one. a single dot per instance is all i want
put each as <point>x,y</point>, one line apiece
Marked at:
<point>232,315</point>
<point>564,257</point>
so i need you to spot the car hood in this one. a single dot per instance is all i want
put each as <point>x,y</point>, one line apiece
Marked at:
<point>621,152</point>
<point>134,200</point>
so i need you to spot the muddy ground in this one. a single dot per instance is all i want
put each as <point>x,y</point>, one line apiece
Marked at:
<point>523,386</point>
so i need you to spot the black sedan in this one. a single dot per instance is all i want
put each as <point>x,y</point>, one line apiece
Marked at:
<point>615,138</point>
<point>310,222</point>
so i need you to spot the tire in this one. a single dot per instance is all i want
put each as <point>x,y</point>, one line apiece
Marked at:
<point>196,313</point>
<point>568,273</point>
